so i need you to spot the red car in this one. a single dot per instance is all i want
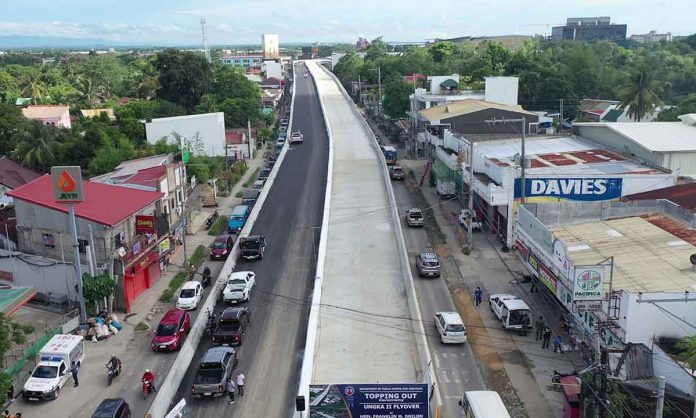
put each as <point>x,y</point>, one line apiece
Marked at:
<point>171,331</point>
<point>222,246</point>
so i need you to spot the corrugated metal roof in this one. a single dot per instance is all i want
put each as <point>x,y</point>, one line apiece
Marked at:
<point>95,113</point>
<point>653,136</point>
<point>41,112</point>
<point>466,106</point>
<point>683,195</point>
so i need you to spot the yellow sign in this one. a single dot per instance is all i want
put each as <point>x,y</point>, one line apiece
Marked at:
<point>164,245</point>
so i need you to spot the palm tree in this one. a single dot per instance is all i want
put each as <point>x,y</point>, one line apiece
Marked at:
<point>33,86</point>
<point>38,147</point>
<point>641,95</point>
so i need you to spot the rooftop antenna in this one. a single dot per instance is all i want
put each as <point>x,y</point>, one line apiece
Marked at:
<point>205,39</point>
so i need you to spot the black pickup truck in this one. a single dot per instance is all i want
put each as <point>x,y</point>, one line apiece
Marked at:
<point>232,326</point>
<point>252,247</point>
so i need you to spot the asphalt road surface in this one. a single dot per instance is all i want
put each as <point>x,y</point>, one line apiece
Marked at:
<point>271,354</point>
<point>454,364</point>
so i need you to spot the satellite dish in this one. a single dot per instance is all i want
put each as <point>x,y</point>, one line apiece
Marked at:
<point>692,258</point>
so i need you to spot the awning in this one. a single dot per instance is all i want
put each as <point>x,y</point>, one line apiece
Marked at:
<point>449,83</point>
<point>14,298</point>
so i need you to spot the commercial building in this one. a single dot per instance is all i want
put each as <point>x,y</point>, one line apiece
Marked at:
<point>558,169</point>
<point>271,47</point>
<point>243,60</point>
<point>121,231</point>
<point>652,36</point>
<point>56,115</point>
<point>589,29</point>
<point>13,175</point>
<point>239,145</point>
<point>671,145</point>
<point>601,110</point>
<point>273,69</point>
<point>621,273</point>
<point>203,134</point>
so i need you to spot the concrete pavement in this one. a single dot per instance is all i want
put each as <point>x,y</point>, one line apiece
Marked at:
<point>131,346</point>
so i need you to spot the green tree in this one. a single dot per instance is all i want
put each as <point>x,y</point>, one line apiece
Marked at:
<point>396,98</point>
<point>96,288</point>
<point>38,146</point>
<point>442,50</point>
<point>10,333</point>
<point>12,124</point>
<point>184,77</point>
<point>348,68</point>
<point>32,85</point>
<point>111,154</point>
<point>642,93</point>
<point>688,354</point>
<point>377,50</point>
<point>687,105</point>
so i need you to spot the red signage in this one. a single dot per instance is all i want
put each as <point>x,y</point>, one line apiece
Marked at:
<point>144,224</point>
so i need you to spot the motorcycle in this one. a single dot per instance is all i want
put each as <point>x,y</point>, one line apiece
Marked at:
<point>556,379</point>
<point>111,373</point>
<point>205,281</point>
<point>210,324</point>
<point>211,219</point>
<point>147,388</point>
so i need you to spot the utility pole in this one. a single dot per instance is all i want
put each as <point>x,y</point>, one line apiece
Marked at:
<point>560,128</point>
<point>379,84</point>
<point>469,227</point>
<point>660,396</point>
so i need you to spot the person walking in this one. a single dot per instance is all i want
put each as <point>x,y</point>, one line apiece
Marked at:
<point>557,347</point>
<point>230,389</point>
<point>477,295</point>
<point>240,383</point>
<point>74,369</point>
<point>546,338</point>
<point>540,325</point>
<point>6,414</point>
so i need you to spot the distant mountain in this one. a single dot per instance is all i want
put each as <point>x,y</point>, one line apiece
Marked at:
<point>21,41</point>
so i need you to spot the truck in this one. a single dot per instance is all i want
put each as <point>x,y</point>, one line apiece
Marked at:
<point>446,189</point>
<point>389,154</point>
<point>238,286</point>
<point>53,368</point>
<point>414,218</point>
<point>252,247</point>
<point>232,326</point>
<point>215,368</point>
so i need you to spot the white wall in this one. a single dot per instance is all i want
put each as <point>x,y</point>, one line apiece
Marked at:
<point>209,126</point>
<point>437,79</point>
<point>502,90</point>
<point>273,69</point>
<point>677,376</point>
<point>643,321</point>
<point>335,58</point>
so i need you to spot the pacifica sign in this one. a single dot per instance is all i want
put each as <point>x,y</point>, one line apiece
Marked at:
<point>584,189</point>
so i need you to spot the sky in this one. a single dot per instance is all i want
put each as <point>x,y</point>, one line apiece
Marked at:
<point>230,22</point>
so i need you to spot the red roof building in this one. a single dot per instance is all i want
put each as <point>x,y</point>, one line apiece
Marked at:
<point>683,195</point>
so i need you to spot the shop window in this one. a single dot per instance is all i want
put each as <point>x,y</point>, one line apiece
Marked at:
<point>48,240</point>
<point>82,245</point>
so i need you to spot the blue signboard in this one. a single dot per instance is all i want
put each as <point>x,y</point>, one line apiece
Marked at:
<point>369,401</point>
<point>583,189</point>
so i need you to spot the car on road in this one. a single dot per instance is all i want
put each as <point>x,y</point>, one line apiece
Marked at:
<point>466,216</point>
<point>232,326</point>
<point>222,247</point>
<point>189,296</point>
<point>171,331</point>
<point>264,173</point>
<point>450,327</point>
<point>213,372</point>
<point>396,172</point>
<point>414,218</point>
<point>113,408</point>
<point>296,137</point>
<point>428,264</point>
<point>252,247</point>
<point>238,286</point>
<point>512,311</point>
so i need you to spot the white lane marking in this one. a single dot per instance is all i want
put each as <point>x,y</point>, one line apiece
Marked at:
<point>445,377</point>
<point>436,360</point>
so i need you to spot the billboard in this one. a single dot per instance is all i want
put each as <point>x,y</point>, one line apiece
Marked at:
<point>144,224</point>
<point>369,401</point>
<point>579,189</point>
<point>588,283</point>
<point>67,184</point>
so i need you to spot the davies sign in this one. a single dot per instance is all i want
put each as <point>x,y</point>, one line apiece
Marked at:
<point>584,189</point>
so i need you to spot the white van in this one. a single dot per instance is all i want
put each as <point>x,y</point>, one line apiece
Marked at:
<point>53,369</point>
<point>512,311</point>
<point>451,327</point>
<point>483,404</point>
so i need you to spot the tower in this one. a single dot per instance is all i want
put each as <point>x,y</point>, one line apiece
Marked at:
<point>205,39</point>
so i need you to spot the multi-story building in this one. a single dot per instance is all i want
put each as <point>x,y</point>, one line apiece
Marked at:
<point>271,47</point>
<point>589,29</point>
<point>652,36</point>
<point>243,60</point>
<point>56,115</point>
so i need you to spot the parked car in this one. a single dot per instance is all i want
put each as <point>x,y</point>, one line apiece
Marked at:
<point>222,247</point>
<point>466,216</point>
<point>396,172</point>
<point>238,218</point>
<point>450,327</point>
<point>213,372</point>
<point>238,286</point>
<point>297,137</point>
<point>232,326</point>
<point>284,122</point>
<point>250,196</point>
<point>171,331</point>
<point>113,408</point>
<point>189,296</point>
<point>428,264</point>
<point>252,247</point>
<point>264,173</point>
<point>414,217</point>
<point>258,184</point>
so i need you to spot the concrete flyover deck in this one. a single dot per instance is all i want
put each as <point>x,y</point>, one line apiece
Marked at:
<point>364,334</point>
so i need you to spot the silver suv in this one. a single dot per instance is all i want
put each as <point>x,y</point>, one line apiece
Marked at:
<point>428,264</point>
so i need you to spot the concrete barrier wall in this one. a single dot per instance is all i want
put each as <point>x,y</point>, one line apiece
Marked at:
<point>427,371</point>
<point>169,386</point>
<point>313,322</point>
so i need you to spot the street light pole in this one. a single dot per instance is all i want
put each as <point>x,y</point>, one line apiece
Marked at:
<point>379,84</point>
<point>78,265</point>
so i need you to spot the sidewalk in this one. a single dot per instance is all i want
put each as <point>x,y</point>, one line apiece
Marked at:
<point>527,366</point>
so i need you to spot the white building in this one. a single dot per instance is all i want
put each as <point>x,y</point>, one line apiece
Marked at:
<point>643,298</point>
<point>652,36</point>
<point>271,47</point>
<point>204,133</point>
<point>273,69</point>
<point>666,144</point>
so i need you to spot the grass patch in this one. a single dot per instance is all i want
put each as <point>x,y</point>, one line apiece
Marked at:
<point>252,179</point>
<point>239,194</point>
<point>142,326</point>
<point>219,226</point>
<point>196,259</point>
